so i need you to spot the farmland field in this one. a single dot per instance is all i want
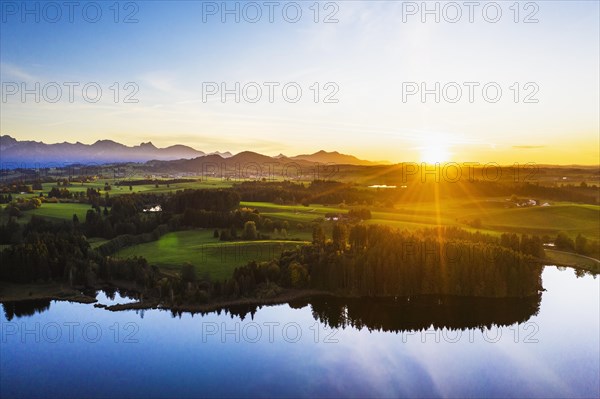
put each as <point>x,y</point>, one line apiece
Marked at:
<point>210,256</point>
<point>495,218</point>
<point>99,184</point>
<point>57,212</point>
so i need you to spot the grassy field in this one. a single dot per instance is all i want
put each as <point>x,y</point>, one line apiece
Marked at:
<point>210,256</point>
<point>57,212</point>
<point>218,259</point>
<point>208,183</point>
<point>494,216</point>
<point>570,218</point>
<point>567,258</point>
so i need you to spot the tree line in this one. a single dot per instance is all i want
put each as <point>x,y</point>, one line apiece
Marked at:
<point>335,192</point>
<point>378,261</point>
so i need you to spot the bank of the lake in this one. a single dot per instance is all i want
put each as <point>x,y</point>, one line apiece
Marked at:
<point>13,292</point>
<point>570,259</point>
<point>381,348</point>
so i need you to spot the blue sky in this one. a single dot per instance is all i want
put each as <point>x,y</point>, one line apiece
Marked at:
<point>170,53</point>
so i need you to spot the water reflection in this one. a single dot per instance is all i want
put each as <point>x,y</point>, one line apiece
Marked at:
<point>30,307</point>
<point>25,308</point>
<point>545,357</point>
<point>422,313</point>
<point>380,314</point>
<point>406,314</point>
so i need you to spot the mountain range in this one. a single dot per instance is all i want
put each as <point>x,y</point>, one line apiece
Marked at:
<point>337,158</point>
<point>30,153</point>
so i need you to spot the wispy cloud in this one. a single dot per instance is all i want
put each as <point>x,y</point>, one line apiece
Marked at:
<point>158,80</point>
<point>10,71</point>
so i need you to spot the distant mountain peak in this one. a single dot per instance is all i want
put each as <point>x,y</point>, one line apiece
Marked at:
<point>323,156</point>
<point>225,154</point>
<point>109,151</point>
<point>7,138</point>
<point>105,151</point>
<point>6,142</point>
<point>105,142</point>
<point>247,152</point>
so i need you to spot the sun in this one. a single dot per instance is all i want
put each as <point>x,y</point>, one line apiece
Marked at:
<point>434,153</point>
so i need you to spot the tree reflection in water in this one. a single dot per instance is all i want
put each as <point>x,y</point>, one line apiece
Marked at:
<point>407,314</point>
<point>379,314</point>
<point>25,308</point>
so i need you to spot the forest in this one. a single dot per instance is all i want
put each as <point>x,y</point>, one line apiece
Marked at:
<point>348,258</point>
<point>382,262</point>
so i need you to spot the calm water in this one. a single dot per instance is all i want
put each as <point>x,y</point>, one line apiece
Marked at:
<point>321,347</point>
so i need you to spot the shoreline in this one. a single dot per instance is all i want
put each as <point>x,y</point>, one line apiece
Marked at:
<point>285,297</point>
<point>13,292</point>
<point>56,292</point>
<point>52,291</point>
<point>595,268</point>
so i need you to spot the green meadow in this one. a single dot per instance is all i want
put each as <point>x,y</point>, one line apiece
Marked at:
<point>217,259</point>
<point>568,217</point>
<point>55,212</point>
<point>204,183</point>
<point>493,214</point>
<point>568,258</point>
<point>209,256</point>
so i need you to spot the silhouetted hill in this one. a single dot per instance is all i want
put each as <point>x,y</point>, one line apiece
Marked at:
<point>182,157</point>
<point>335,157</point>
<point>104,151</point>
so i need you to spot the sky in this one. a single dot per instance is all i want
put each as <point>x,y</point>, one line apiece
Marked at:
<point>358,77</point>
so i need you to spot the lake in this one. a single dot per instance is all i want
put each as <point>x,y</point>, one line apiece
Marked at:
<point>323,347</point>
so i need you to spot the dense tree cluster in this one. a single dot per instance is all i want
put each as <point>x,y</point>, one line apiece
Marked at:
<point>45,256</point>
<point>10,232</point>
<point>208,200</point>
<point>527,245</point>
<point>247,279</point>
<point>360,214</point>
<point>317,192</point>
<point>5,198</point>
<point>135,269</point>
<point>49,251</point>
<point>126,216</point>
<point>333,192</point>
<point>57,192</point>
<point>285,192</point>
<point>379,261</point>
<point>358,260</point>
<point>16,207</point>
<point>202,218</point>
<point>17,187</point>
<point>580,245</point>
<point>141,182</point>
